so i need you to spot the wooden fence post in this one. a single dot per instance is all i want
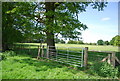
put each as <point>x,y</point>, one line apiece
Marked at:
<point>113,59</point>
<point>85,56</point>
<point>47,52</point>
<point>109,59</point>
<point>39,47</point>
<point>42,51</point>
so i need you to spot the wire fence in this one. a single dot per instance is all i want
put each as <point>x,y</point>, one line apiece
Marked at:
<point>75,56</point>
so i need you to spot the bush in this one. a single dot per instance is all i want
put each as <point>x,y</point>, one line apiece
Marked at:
<point>9,53</point>
<point>5,54</point>
<point>119,70</point>
<point>104,69</point>
<point>2,56</point>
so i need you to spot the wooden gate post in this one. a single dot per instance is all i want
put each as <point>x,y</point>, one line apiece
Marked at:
<point>85,56</point>
<point>113,59</point>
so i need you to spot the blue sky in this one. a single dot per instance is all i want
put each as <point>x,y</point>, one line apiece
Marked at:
<point>101,24</point>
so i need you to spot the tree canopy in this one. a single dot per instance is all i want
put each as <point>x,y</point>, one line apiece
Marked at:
<point>100,42</point>
<point>115,41</point>
<point>45,19</point>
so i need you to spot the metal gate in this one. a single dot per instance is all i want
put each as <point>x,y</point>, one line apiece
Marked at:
<point>67,55</point>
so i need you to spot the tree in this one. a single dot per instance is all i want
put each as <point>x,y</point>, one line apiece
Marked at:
<point>16,25</point>
<point>75,42</point>
<point>106,42</point>
<point>100,42</point>
<point>57,40</point>
<point>112,41</point>
<point>50,18</point>
<point>115,41</point>
<point>9,33</point>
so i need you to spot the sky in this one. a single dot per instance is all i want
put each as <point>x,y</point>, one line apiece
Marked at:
<point>101,24</point>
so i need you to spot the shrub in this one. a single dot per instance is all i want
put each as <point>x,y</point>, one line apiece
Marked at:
<point>5,54</point>
<point>2,56</point>
<point>9,53</point>
<point>119,70</point>
<point>104,69</point>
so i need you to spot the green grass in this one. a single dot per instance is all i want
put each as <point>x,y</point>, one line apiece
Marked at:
<point>91,47</point>
<point>92,56</point>
<point>22,66</point>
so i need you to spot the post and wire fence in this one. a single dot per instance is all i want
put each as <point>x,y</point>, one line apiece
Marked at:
<point>76,56</point>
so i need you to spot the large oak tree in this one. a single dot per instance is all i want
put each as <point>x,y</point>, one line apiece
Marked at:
<point>48,18</point>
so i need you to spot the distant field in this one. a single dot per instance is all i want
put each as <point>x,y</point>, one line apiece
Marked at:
<point>91,47</point>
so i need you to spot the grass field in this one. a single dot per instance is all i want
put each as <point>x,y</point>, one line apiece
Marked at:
<point>22,65</point>
<point>91,47</point>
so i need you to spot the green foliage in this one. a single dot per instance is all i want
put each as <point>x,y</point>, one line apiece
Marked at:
<point>59,41</point>
<point>90,43</point>
<point>75,42</point>
<point>100,42</point>
<point>2,56</point>
<point>18,23</point>
<point>119,71</point>
<point>10,34</point>
<point>106,43</point>
<point>24,67</point>
<point>115,41</point>
<point>6,54</point>
<point>104,69</point>
<point>24,21</point>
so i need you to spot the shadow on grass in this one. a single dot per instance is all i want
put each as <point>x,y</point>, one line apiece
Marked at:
<point>32,51</point>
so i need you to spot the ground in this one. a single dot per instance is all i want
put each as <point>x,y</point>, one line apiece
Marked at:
<point>20,65</point>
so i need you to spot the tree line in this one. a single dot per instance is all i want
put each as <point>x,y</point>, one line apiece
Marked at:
<point>115,41</point>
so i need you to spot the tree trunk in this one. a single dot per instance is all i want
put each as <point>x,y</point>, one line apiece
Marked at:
<point>49,6</point>
<point>50,39</point>
<point>5,47</point>
<point>51,43</point>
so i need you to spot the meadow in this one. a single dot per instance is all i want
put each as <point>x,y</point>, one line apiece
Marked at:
<point>19,64</point>
<point>91,47</point>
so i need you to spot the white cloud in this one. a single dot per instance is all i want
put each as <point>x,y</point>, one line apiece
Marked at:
<point>105,19</point>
